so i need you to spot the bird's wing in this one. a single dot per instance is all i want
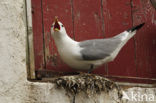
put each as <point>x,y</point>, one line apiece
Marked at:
<point>98,48</point>
<point>101,48</point>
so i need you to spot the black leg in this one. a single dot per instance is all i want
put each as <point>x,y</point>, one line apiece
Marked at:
<point>73,101</point>
<point>91,68</point>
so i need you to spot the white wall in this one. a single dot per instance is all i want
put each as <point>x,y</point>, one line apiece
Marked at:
<point>14,88</point>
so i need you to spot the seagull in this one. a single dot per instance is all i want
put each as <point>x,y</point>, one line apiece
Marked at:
<point>89,54</point>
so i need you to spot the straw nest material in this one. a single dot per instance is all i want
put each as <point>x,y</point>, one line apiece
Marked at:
<point>87,83</point>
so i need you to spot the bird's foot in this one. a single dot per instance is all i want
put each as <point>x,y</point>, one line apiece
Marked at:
<point>89,72</point>
<point>91,68</point>
<point>80,72</point>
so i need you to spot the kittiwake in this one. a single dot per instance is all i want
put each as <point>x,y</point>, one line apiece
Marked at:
<point>89,54</point>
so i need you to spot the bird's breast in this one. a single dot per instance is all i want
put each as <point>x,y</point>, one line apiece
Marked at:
<point>72,57</point>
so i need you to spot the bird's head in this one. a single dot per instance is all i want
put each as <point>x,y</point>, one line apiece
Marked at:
<point>57,28</point>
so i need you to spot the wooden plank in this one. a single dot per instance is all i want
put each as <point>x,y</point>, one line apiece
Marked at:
<point>145,38</point>
<point>62,9</point>
<point>88,22</point>
<point>117,18</point>
<point>87,19</point>
<point>29,42</point>
<point>48,75</point>
<point>98,19</point>
<point>133,80</point>
<point>37,33</point>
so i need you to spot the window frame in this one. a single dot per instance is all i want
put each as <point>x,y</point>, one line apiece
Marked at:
<point>32,75</point>
<point>30,61</point>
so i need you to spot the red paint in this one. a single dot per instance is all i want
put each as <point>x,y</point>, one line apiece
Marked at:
<point>117,15</point>
<point>38,35</point>
<point>88,23</point>
<point>62,9</point>
<point>86,19</point>
<point>145,38</point>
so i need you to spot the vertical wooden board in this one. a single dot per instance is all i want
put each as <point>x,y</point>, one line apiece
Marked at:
<point>88,22</point>
<point>62,9</point>
<point>37,34</point>
<point>145,38</point>
<point>87,19</point>
<point>118,18</point>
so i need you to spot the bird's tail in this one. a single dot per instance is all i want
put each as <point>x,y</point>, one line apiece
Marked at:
<point>126,35</point>
<point>135,27</point>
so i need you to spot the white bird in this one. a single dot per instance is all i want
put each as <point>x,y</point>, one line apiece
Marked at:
<point>89,54</point>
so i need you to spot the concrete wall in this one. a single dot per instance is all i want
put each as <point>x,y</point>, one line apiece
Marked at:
<point>14,87</point>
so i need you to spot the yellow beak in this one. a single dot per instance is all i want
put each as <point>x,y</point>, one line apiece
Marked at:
<point>56,29</point>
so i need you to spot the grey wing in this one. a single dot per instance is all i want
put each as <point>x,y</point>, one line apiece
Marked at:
<point>98,48</point>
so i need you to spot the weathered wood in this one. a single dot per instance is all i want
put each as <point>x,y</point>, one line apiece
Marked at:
<point>87,19</point>
<point>62,9</point>
<point>38,34</point>
<point>30,62</point>
<point>88,23</point>
<point>45,74</point>
<point>117,18</point>
<point>153,3</point>
<point>145,38</point>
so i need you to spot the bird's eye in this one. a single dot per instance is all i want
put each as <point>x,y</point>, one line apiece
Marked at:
<point>62,26</point>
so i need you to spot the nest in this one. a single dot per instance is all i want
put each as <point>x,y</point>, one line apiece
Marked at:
<point>87,83</point>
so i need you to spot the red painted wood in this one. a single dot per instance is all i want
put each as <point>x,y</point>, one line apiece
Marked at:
<point>146,38</point>
<point>37,34</point>
<point>86,19</point>
<point>62,9</point>
<point>117,18</point>
<point>88,22</point>
<point>133,80</point>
